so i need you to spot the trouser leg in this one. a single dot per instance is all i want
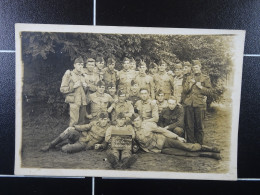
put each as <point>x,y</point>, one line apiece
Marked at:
<point>71,134</point>
<point>74,114</point>
<point>198,128</point>
<point>179,152</point>
<point>173,143</point>
<point>82,115</point>
<point>125,154</point>
<point>189,124</point>
<point>73,148</point>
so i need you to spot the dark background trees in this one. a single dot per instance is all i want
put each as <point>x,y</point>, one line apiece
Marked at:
<point>46,56</point>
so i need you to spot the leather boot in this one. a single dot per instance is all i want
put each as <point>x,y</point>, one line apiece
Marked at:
<point>210,155</point>
<point>128,162</point>
<point>52,144</point>
<point>112,160</point>
<point>205,148</point>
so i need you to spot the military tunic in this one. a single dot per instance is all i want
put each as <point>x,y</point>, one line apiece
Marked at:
<point>110,76</point>
<point>178,88</point>
<point>124,107</point>
<point>164,82</point>
<point>146,81</point>
<point>148,110</point>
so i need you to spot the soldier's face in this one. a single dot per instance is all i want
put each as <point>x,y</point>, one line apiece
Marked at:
<point>103,122</point>
<point>142,69</point>
<point>122,98</point>
<point>126,65</point>
<point>90,66</point>
<point>144,95</point>
<point>137,122</point>
<point>100,65</point>
<point>178,72</point>
<point>121,122</point>
<point>135,88</point>
<point>162,67</point>
<point>112,91</point>
<point>111,66</point>
<point>186,69</point>
<point>154,70</point>
<point>196,69</point>
<point>172,104</point>
<point>78,66</point>
<point>101,89</point>
<point>133,66</point>
<point>160,97</point>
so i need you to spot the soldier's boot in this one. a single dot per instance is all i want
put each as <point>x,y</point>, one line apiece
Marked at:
<point>128,162</point>
<point>112,160</point>
<point>205,148</point>
<point>52,144</point>
<point>210,155</point>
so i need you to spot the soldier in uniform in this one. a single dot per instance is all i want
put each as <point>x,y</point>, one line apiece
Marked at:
<point>100,102</point>
<point>111,90</point>
<point>125,76</point>
<point>113,155</point>
<point>73,85</point>
<point>172,117</point>
<point>154,139</point>
<point>153,70</point>
<point>124,106</point>
<point>132,64</point>
<point>134,92</point>
<point>81,137</point>
<point>110,73</point>
<point>178,77</point>
<point>100,63</point>
<point>161,102</point>
<point>194,89</point>
<point>146,107</point>
<point>144,80</point>
<point>186,76</point>
<point>164,81</point>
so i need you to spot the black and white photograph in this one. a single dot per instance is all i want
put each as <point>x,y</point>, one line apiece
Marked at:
<point>132,102</point>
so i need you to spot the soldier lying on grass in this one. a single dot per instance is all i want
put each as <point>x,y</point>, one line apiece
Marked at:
<point>81,137</point>
<point>152,138</point>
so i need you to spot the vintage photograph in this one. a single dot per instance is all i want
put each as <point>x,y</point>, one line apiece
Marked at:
<point>127,101</point>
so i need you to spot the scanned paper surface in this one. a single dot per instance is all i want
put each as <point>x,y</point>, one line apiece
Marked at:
<point>127,102</point>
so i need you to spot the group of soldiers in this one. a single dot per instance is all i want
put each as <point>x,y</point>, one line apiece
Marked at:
<point>161,110</point>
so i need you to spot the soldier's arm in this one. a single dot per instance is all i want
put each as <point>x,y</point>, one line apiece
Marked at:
<point>180,120</point>
<point>152,85</point>
<point>172,84</point>
<point>207,87</point>
<point>155,113</point>
<point>65,83</point>
<point>165,132</point>
<point>85,127</point>
<point>131,110</point>
<point>108,134</point>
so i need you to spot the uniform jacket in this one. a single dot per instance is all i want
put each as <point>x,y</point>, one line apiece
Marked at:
<point>125,77</point>
<point>162,105</point>
<point>164,82</point>
<point>110,76</point>
<point>73,95</point>
<point>125,107</point>
<point>146,81</point>
<point>148,110</point>
<point>178,87</point>
<point>172,118</point>
<point>193,95</point>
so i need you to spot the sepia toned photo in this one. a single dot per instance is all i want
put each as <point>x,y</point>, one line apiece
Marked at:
<point>127,102</point>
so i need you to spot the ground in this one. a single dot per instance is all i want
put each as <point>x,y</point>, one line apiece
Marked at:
<point>42,129</point>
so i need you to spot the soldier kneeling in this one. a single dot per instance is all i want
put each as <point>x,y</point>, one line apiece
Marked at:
<point>119,139</point>
<point>81,137</point>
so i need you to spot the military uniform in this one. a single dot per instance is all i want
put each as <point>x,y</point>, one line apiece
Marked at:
<point>133,98</point>
<point>178,87</point>
<point>161,106</point>
<point>110,76</point>
<point>74,96</point>
<point>125,77</point>
<point>148,110</point>
<point>194,103</point>
<point>91,78</point>
<point>146,81</point>
<point>124,107</point>
<point>165,83</point>
<point>99,103</point>
<point>100,73</point>
<point>174,119</point>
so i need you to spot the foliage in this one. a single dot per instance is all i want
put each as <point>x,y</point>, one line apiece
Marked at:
<point>47,56</point>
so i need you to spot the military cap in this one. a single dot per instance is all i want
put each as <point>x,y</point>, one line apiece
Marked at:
<point>187,64</point>
<point>196,62</point>
<point>178,66</point>
<point>153,65</point>
<point>103,115</point>
<point>162,62</point>
<point>132,60</point>
<point>79,60</point>
<point>142,63</point>
<point>100,83</point>
<point>90,60</point>
<point>159,92</point>
<point>121,93</point>
<point>100,59</point>
<point>111,84</point>
<point>126,59</point>
<point>133,82</point>
<point>120,115</point>
<point>143,89</point>
<point>111,61</point>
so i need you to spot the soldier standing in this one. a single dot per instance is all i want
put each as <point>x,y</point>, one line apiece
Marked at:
<point>178,77</point>
<point>144,80</point>
<point>146,107</point>
<point>100,102</point>
<point>164,81</point>
<point>100,63</point>
<point>153,70</point>
<point>194,89</point>
<point>72,86</point>
<point>110,73</point>
<point>186,76</point>
<point>125,76</point>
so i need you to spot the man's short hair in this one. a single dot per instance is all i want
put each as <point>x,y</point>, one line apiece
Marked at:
<point>100,83</point>
<point>141,63</point>
<point>79,60</point>
<point>162,62</point>
<point>143,89</point>
<point>187,64</point>
<point>121,93</point>
<point>132,60</point>
<point>120,115</point>
<point>111,61</point>
<point>159,92</point>
<point>153,65</point>
<point>90,60</point>
<point>100,59</point>
<point>126,59</point>
<point>196,63</point>
<point>110,85</point>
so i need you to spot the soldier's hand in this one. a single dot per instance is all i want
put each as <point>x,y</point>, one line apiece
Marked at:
<point>110,109</point>
<point>167,127</point>
<point>77,84</point>
<point>198,84</point>
<point>181,139</point>
<point>85,85</point>
<point>89,116</point>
